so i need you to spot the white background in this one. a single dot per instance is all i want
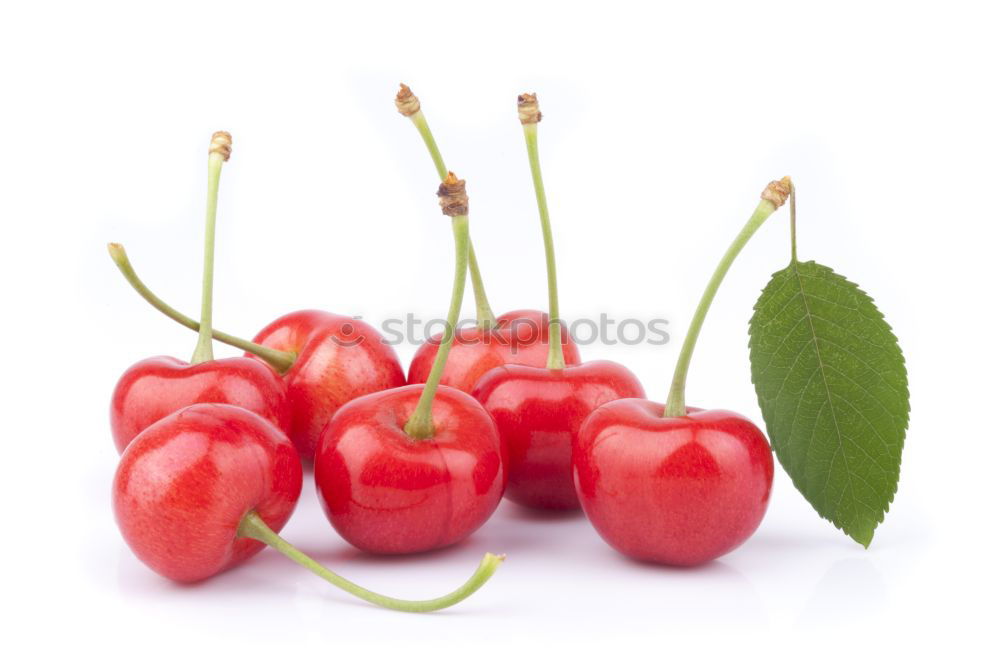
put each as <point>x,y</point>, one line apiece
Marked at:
<point>662,124</point>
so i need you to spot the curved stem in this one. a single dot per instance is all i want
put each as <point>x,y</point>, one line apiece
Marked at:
<point>203,351</point>
<point>555,360</point>
<point>675,401</point>
<point>281,361</point>
<point>420,121</point>
<point>253,527</point>
<point>791,213</point>
<point>484,314</point>
<point>421,424</point>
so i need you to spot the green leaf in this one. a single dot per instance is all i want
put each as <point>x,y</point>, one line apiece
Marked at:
<point>831,383</point>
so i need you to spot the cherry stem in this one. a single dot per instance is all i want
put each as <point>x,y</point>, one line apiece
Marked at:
<point>420,122</point>
<point>281,361</point>
<point>218,153</point>
<point>484,314</point>
<point>772,198</point>
<point>421,424</point>
<point>555,360</point>
<point>791,215</point>
<point>253,527</point>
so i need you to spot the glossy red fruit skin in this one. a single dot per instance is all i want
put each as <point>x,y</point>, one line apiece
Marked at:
<point>337,359</point>
<point>539,412</point>
<point>678,491</point>
<point>185,483</point>
<point>385,492</point>
<point>521,336</point>
<point>156,387</point>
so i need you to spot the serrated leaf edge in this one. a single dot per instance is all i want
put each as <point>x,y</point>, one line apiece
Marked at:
<point>794,267</point>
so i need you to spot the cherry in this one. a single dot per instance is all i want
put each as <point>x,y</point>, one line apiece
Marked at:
<point>155,387</point>
<point>420,467</point>
<point>677,490</point>
<point>182,491</point>
<point>520,336</point>
<point>539,411</point>
<point>673,484</point>
<point>209,486</point>
<point>337,359</point>
<point>387,492</point>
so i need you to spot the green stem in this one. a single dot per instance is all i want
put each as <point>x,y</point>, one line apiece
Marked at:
<point>253,527</point>
<point>791,213</point>
<point>484,314</point>
<point>420,121</point>
<point>555,360</point>
<point>281,361</point>
<point>421,423</point>
<point>675,401</point>
<point>203,351</point>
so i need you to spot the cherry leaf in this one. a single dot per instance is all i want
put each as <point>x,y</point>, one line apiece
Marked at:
<point>831,383</point>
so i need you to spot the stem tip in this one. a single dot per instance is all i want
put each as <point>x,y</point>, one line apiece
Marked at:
<point>407,103</point>
<point>777,192</point>
<point>222,144</point>
<point>453,199</point>
<point>117,252</point>
<point>527,108</point>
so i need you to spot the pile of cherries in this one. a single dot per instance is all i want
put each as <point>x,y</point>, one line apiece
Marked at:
<point>213,450</point>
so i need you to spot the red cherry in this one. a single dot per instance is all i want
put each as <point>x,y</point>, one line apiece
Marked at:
<point>153,388</point>
<point>186,482</point>
<point>337,359</point>
<point>420,467</point>
<point>520,336</point>
<point>387,492</point>
<point>679,491</point>
<point>539,409</point>
<point>156,387</point>
<point>528,339</point>
<point>473,353</point>
<point>672,484</point>
<point>539,413</point>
